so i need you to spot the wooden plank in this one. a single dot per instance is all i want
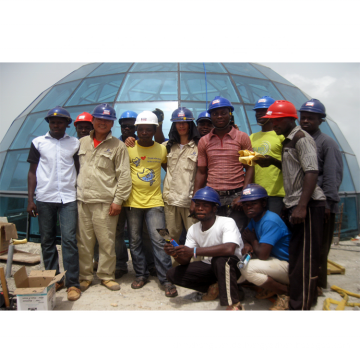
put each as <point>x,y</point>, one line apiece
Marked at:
<point>23,257</point>
<point>334,268</point>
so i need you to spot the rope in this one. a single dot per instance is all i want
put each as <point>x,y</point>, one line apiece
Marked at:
<point>342,303</point>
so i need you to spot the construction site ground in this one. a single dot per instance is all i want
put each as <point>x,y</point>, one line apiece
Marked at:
<point>152,295</point>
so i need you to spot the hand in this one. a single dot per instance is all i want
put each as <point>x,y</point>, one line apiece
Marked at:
<point>32,209</point>
<point>298,215</point>
<point>170,250</point>
<point>264,162</point>
<point>327,215</point>
<point>247,249</point>
<point>114,209</point>
<point>159,114</point>
<point>184,251</point>
<point>192,208</point>
<point>130,142</point>
<point>248,235</point>
<point>236,204</point>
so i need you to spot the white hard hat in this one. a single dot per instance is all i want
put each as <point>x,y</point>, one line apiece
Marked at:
<point>147,118</point>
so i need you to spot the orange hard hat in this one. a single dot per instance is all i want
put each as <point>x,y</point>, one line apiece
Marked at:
<point>281,109</point>
<point>85,116</point>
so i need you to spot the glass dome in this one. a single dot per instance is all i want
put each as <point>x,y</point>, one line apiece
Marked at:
<point>146,86</point>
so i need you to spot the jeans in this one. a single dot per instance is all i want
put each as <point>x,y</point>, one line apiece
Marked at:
<point>47,227</point>
<point>155,219</point>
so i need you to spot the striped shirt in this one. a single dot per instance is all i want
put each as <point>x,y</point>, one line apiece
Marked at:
<point>221,157</point>
<point>298,158</point>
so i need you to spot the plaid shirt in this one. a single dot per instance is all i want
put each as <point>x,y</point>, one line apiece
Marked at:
<point>221,157</point>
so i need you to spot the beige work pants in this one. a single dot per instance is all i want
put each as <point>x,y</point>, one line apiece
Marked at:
<point>94,223</point>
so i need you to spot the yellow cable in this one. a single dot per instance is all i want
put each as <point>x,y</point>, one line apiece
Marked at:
<point>344,302</point>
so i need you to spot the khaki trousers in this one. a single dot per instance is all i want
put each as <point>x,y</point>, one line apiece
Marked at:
<point>94,223</point>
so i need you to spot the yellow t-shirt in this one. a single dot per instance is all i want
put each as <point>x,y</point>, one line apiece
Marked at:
<point>270,178</point>
<point>145,167</point>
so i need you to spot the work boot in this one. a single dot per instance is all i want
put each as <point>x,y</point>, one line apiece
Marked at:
<point>281,303</point>
<point>84,285</point>
<point>73,293</point>
<point>120,272</point>
<point>212,293</point>
<point>110,284</point>
<point>59,285</point>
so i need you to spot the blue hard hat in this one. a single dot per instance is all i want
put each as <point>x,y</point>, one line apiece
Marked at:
<point>128,115</point>
<point>182,114</point>
<point>207,194</point>
<point>58,112</point>
<point>253,192</point>
<point>314,106</point>
<point>104,111</point>
<point>220,102</point>
<point>203,116</point>
<point>264,103</point>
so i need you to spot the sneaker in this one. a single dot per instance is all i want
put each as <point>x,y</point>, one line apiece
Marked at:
<point>84,285</point>
<point>212,293</point>
<point>73,293</point>
<point>236,307</point>
<point>59,285</point>
<point>281,303</point>
<point>110,284</point>
<point>264,294</point>
<point>120,272</point>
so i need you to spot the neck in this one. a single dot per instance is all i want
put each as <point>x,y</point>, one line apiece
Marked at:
<point>258,217</point>
<point>291,128</point>
<point>207,224</point>
<point>57,136</point>
<point>145,142</point>
<point>221,132</point>
<point>184,139</point>
<point>313,132</point>
<point>100,137</point>
<point>267,127</point>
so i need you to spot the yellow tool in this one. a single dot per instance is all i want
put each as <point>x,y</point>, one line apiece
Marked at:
<point>342,303</point>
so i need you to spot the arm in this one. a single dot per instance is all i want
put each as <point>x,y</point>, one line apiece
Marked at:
<point>164,166</point>
<point>262,250</point>
<point>269,160</point>
<point>77,163</point>
<point>31,208</point>
<point>249,175</point>
<point>200,182</point>
<point>159,135</point>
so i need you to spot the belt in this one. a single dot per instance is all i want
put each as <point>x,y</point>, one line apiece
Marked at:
<point>228,192</point>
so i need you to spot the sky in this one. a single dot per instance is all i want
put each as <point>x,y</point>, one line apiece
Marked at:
<point>336,85</point>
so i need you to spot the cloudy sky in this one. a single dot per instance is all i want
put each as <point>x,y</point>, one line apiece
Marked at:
<point>337,85</point>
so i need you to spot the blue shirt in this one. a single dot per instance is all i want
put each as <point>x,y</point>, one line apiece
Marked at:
<point>270,229</point>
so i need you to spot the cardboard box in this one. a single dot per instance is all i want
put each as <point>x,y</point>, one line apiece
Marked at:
<point>37,290</point>
<point>7,232</point>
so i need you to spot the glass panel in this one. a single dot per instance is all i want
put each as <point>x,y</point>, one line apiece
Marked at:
<point>34,126</point>
<point>325,128</point>
<point>193,87</point>
<point>243,69</point>
<point>79,73</point>
<point>210,67</point>
<point>154,67</point>
<point>102,89</point>
<point>57,96</point>
<point>167,107</point>
<point>251,90</point>
<point>17,168</point>
<point>271,74</point>
<point>14,209</point>
<point>252,120</point>
<point>110,68</point>
<point>11,133</point>
<point>347,183</point>
<point>340,137</point>
<point>349,219</point>
<point>195,107</point>
<point>292,94</point>
<point>240,119</point>
<point>35,102</point>
<point>2,158</point>
<point>149,86</point>
<point>354,170</point>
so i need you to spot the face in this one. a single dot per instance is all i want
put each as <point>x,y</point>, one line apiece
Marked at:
<point>204,210</point>
<point>146,132</point>
<point>220,117</point>
<point>102,126</point>
<point>204,127</point>
<point>128,127</point>
<point>260,113</point>
<point>57,126</point>
<point>282,125</point>
<point>254,209</point>
<point>182,127</point>
<point>83,128</point>
<point>310,122</point>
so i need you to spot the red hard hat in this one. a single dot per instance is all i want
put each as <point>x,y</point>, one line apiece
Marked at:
<point>85,116</point>
<point>281,109</point>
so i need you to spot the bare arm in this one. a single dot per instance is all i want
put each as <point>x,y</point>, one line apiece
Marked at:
<point>200,182</point>
<point>269,160</point>
<point>249,175</point>
<point>159,135</point>
<point>31,208</point>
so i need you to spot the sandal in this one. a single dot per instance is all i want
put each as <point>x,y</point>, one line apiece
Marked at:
<point>138,284</point>
<point>212,293</point>
<point>170,290</point>
<point>236,307</point>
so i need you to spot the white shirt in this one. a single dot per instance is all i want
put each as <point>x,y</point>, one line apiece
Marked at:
<point>223,231</point>
<point>56,173</point>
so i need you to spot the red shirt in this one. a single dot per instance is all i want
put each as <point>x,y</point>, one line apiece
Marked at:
<point>221,157</point>
<point>96,143</point>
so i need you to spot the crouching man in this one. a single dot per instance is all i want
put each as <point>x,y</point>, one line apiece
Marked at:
<point>216,237</point>
<point>268,237</point>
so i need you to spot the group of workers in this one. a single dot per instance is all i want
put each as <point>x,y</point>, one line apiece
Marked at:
<point>280,211</point>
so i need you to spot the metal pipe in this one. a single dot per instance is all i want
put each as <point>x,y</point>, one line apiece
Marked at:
<point>9,260</point>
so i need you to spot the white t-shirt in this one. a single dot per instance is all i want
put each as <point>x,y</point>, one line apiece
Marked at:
<point>223,231</point>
